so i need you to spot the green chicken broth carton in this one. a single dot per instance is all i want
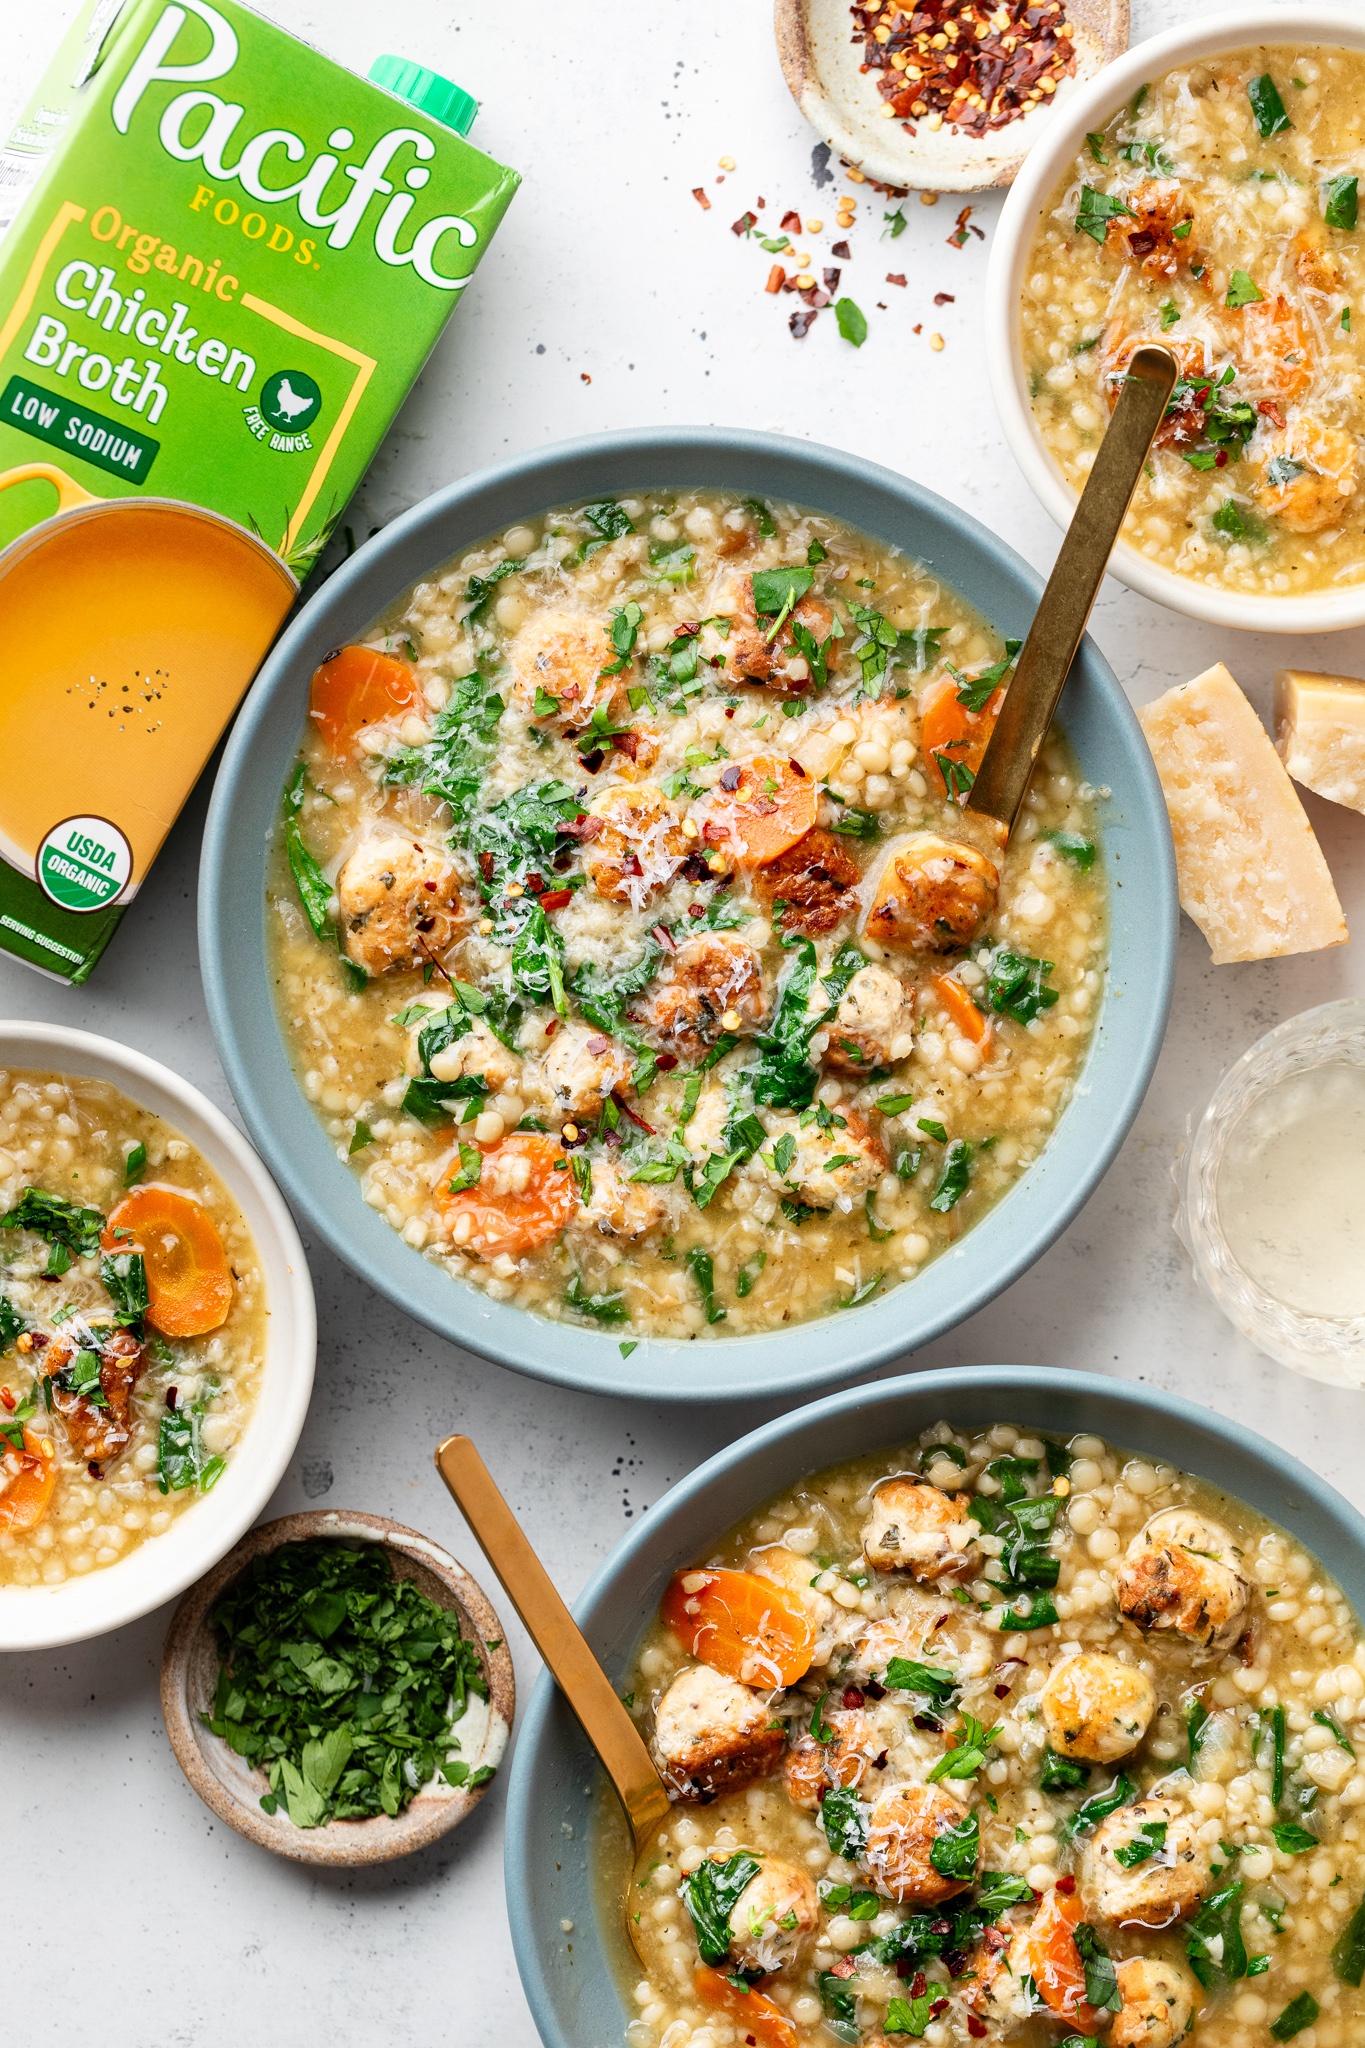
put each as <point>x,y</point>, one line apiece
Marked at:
<point>227,260</point>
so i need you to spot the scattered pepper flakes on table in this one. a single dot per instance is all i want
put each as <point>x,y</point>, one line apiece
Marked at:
<point>941,298</point>
<point>977,64</point>
<point>777,277</point>
<point>842,251</point>
<point>965,226</point>
<point>745,225</point>
<point>584,375</point>
<point>699,194</point>
<point>802,321</point>
<point>895,277</point>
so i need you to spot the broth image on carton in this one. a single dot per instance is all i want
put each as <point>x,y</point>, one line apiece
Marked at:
<point>224,261</point>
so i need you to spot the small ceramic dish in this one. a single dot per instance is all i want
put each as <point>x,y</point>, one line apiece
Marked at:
<point>1242,1117</point>
<point>39,1617</point>
<point>1089,110</point>
<point>227,1783</point>
<point>822,61</point>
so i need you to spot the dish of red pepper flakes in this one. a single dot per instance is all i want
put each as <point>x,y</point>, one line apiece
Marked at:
<point>974,64</point>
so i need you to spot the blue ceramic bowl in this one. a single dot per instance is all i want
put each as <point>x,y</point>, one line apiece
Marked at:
<point>570,1979</point>
<point>232,939</point>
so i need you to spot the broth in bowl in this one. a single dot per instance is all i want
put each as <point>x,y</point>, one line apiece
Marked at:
<point>1217,214</point>
<point>632,939</point>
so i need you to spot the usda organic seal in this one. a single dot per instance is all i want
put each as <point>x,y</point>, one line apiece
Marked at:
<point>84,863</point>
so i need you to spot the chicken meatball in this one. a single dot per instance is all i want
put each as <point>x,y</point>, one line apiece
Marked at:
<point>583,1067</point>
<point>639,844</point>
<point>851,1754</point>
<point>773,1918</point>
<point>913,1527</point>
<point>1184,1573</point>
<point>874,1025</point>
<point>1097,1707</point>
<point>99,1429</point>
<point>562,655</point>
<point>1163,1887</point>
<point>712,1734</point>
<point>931,895</point>
<point>1147,231</point>
<point>1158,2003</point>
<point>399,902</point>
<point>715,984</point>
<point>811,888</point>
<point>905,1823</point>
<point>823,1169</point>
<point>618,1207</point>
<point>754,654</point>
<point>1311,474</point>
<point>997,1987</point>
<point>475,1051</point>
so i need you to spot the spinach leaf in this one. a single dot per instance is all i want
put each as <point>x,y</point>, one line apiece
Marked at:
<point>603,998</point>
<point>903,1674</point>
<point>844,1819</point>
<point>1267,106</point>
<point>1348,1952</point>
<point>440,1102</point>
<point>1014,985</point>
<point>344,1684</point>
<point>1101,1978</point>
<point>124,1275</point>
<point>1341,202</point>
<point>1219,1920</point>
<point>604,1308</point>
<point>1271,1732</point>
<point>840,2008</point>
<point>954,1178</point>
<point>608,520</point>
<point>480,588</point>
<point>777,591</point>
<point>1150,1838</point>
<point>1099,1807</point>
<point>12,1324</point>
<point>1298,2014</point>
<point>1073,847</point>
<point>1096,210</point>
<point>314,889</point>
<point>711,1894</point>
<point>702,1269</point>
<point>1038,1612</point>
<point>975,692</point>
<point>450,766</point>
<point>954,1851</point>
<point>181,1459</point>
<point>135,1165</point>
<point>969,1754</point>
<point>1294,1840</point>
<point>1062,1773</point>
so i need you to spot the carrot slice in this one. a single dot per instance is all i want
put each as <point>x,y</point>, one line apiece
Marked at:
<point>760,2018</point>
<point>359,686</point>
<point>1057,1968</point>
<point>773,803</point>
<point>948,728</point>
<point>953,998</point>
<point>741,1625</point>
<point>25,1500</point>
<point>509,1218</point>
<point>189,1282</point>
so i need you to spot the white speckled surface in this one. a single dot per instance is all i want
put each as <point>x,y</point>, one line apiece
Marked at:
<point>605,265</point>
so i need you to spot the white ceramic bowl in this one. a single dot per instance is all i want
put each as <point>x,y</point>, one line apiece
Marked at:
<point>1043,171</point>
<point>37,1617</point>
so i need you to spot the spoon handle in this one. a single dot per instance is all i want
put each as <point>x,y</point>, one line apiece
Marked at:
<point>1077,573</point>
<point>556,1635</point>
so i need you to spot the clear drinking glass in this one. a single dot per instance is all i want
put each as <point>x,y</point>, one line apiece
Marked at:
<point>1323,1346</point>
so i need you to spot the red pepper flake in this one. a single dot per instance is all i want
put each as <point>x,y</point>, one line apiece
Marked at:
<point>975,2027</point>
<point>1220,460</point>
<point>831,280</point>
<point>10,1400</point>
<point>777,277</point>
<point>985,72</point>
<point>879,1761</point>
<point>1271,411</point>
<point>552,1027</point>
<point>895,277</point>
<point>944,298</point>
<point>172,1396</point>
<point>853,1698</point>
<point>94,1470</point>
<point>918,327</point>
<point>667,1061</point>
<point>845,1967</point>
<point>626,1110</point>
<point>584,378</point>
<point>874,1691</point>
<point>1066,1885</point>
<point>842,251</point>
<point>802,320</point>
<point>791,223</point>
<point>745,225</point>
<point>958,238</point>
<point>882,306</point>
<point>598,1043</point>
<point>699,194</point>
<point>760,204</point>
<point>820,299</point>
<point>556,899</point>
<point>917,1984</point>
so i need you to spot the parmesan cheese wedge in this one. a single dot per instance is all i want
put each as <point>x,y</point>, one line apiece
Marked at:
<point>1250,871</point>
<point>1320,733</point>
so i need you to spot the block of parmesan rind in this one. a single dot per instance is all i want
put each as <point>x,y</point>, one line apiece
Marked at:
<point>1320,733</point>
<point>1251,873</point>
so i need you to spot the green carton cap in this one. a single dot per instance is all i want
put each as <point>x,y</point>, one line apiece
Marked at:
<point>426,90</point>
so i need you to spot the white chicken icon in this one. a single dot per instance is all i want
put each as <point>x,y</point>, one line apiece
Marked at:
<point>288,401</point>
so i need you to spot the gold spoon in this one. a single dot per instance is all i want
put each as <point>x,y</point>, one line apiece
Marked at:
<point>1047,654</point>
<point>568,1659</point>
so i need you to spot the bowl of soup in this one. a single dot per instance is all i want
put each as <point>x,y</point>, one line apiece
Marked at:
<point>1202,193</point>
<point>1005,1704</point>
<point>157,1335</point>
<point>601,950</point>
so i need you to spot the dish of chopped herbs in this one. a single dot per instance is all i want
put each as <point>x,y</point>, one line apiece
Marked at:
<point>631,936</point>
<point>1001,1737</point>
<point>132,1327</point>
<point>345,1684</point>
<point>1216,212</point>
